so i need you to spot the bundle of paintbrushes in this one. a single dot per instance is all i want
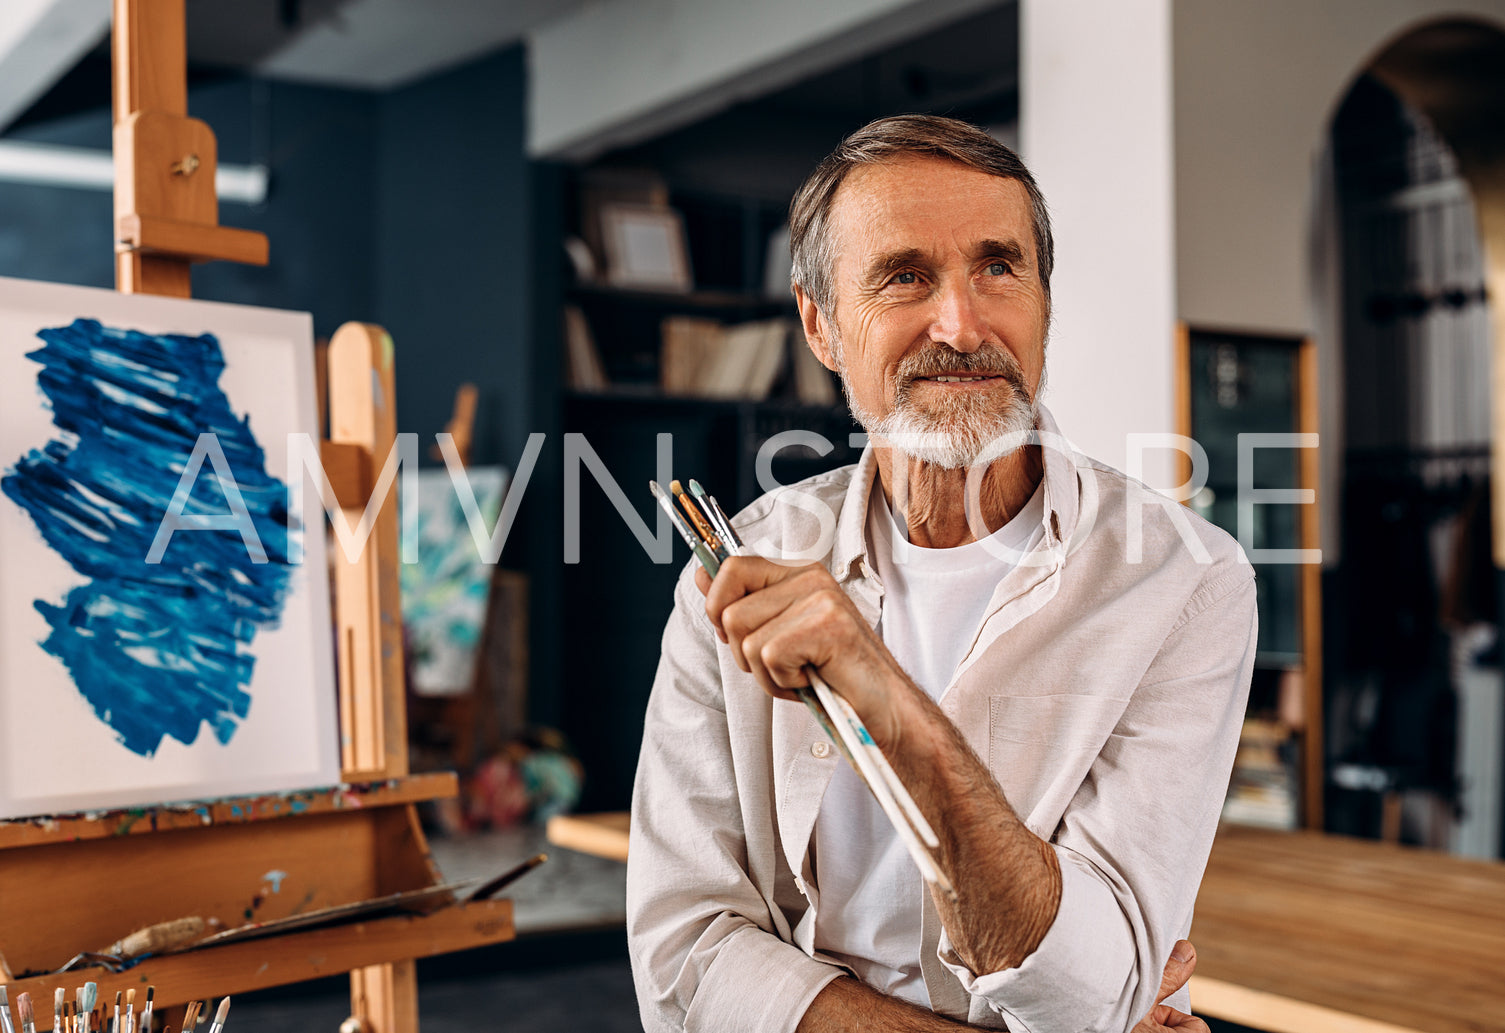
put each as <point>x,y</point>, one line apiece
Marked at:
<point>710,535</point>
<point>84,1015</point>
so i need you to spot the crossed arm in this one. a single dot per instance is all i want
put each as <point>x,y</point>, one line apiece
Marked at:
<point>846,1004</point>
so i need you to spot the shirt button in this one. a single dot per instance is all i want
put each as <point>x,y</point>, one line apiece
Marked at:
<point>820,749</point>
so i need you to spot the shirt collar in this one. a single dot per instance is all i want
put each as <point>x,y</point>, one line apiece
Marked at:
<point>849,554</point>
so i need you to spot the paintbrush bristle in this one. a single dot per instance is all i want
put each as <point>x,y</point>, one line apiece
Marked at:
<point>658,492</point>
<point>24,1009</point>
<point>674,486</point>
<point>696,489</point>
<point>4,1000</point>
<point>224,1009</point>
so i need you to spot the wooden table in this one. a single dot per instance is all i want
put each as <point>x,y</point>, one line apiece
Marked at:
<point>604,835</point>
<point>1300,932</point>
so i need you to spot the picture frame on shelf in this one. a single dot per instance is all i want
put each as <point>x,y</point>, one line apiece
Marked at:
<point>645,247</point>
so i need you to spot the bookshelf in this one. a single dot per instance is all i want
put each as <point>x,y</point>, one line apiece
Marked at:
<point>1236,384</point>
<point>603,691</point>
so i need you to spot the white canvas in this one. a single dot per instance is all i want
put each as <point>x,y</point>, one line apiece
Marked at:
<point>60,752</point>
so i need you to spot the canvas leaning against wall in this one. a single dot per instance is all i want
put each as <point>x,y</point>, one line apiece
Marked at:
<point>210,672</point>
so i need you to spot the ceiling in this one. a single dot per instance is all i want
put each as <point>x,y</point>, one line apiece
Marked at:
<point>765,147</point>
<point>968,67</point>
<point>363,44</point>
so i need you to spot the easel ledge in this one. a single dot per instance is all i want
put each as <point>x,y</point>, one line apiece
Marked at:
<point>297,957</point>
<point>229,810</point>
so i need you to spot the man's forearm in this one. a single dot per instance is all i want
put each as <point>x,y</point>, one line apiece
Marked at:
<point>845,1005</point>
<point>1007,880</point>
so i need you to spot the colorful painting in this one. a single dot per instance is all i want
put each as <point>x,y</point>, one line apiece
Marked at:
<point>156,641</point>
<point>445,594</point>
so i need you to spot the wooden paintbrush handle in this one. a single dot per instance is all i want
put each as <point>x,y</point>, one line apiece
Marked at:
<point>155,939</point>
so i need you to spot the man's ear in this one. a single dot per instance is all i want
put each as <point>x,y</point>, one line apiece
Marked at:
<point>817,333</point>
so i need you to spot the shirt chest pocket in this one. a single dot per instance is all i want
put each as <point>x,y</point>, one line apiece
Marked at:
<point>1040,748</point>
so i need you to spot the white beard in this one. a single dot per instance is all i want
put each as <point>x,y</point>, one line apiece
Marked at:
<point>974,432</point>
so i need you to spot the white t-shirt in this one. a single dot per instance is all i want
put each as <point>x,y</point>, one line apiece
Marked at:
<point>934,601</point>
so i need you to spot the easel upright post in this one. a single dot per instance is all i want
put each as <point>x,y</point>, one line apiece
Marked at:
<point>166,208</point>
<point>368,605</point>
<point>368,616</point>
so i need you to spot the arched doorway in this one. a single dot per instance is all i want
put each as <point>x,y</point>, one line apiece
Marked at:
<point>1411,652</point>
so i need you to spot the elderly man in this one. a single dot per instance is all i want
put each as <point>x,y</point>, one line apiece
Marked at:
<point>1053,658</point>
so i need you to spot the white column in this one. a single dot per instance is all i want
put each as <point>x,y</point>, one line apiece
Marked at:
<point>1095,128</point>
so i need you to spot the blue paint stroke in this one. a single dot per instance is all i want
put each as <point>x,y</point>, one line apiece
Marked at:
<point>159,649</point>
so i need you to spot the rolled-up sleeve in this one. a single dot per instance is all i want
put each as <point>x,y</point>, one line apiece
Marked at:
<point>1134,842</point>
<point>703,938</point>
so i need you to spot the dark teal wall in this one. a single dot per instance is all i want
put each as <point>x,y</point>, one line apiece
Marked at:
<point>407,208</point>
<point>452,252</point>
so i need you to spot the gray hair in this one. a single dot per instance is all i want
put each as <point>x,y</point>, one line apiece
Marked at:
<point>810,243</point>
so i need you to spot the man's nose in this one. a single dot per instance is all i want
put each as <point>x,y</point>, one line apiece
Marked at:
<point>958,321</point>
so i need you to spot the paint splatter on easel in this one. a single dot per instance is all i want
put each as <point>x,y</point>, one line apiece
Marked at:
<point>162,649</point>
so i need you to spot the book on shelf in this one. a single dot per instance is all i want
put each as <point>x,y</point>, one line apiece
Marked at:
<point>701,357</point>
<point>1262,789</point>
<point>688,343</point>
<point>584,370</point>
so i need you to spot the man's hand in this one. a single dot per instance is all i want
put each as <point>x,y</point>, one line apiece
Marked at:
<point>1163,1017</point>
<point>778,618</point>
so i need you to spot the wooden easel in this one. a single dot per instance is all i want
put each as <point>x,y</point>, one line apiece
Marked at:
<point>81,882</point>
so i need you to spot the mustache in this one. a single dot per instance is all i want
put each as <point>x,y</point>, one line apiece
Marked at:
<point>986,361</point>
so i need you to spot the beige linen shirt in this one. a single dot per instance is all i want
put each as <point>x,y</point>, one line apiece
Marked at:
<point>1104,690</point>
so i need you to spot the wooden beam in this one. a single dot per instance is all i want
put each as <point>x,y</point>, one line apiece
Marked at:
<point>604,835</point>
<point>166,208</point>
<point>1275,1014</point>
<point>1313,766</point>
<point>192,241</point>
<point>150,51</point>
<point>348,467</point>
<point>373,724</point>
<point>249,965</point>
<point>234,810</point>
<point>1181,386</point>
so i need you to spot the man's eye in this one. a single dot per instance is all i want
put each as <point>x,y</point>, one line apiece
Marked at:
<point>998,269</point>
<point>905,277</point>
